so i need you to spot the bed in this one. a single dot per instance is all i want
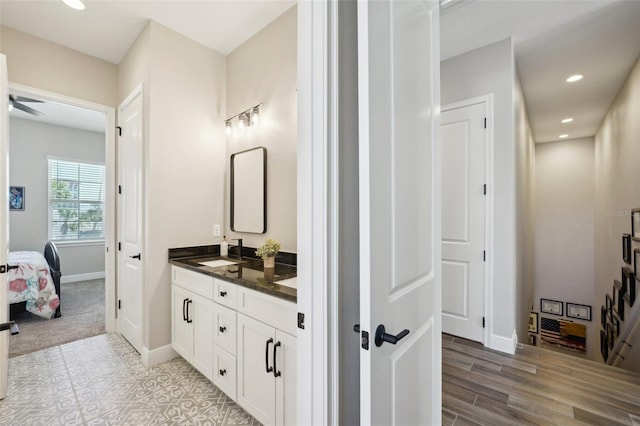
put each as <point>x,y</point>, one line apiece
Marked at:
<point>34,282</point>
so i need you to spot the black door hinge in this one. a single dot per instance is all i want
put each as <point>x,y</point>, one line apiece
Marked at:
<point>485,189</point>
<point>119,246</point>
<point>301,320</point>
<point>484,255</point>
<point>5,268</point>
<point>119,189</point>
<point>119,130</point>
<point>119,304</point>
<point>485,122</point>
<point>365,340</point>
<point>482,322</point>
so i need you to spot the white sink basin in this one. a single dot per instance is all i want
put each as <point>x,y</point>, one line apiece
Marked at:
<point>217,263</point>
<point>289,282</point>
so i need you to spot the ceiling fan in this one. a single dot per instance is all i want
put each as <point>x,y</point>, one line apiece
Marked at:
<point>16,102</point>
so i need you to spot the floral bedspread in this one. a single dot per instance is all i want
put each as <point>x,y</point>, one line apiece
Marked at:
<point>32,282</point>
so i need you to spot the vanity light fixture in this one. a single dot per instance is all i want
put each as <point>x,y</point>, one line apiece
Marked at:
<point>74,4</point>
<point>567,120</point>
<point>563,136</point>
<point>245,118</point>
<point>574,78</point>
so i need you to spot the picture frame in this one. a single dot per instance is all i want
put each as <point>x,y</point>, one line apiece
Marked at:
<point>610,340</point>
<point>636,262</point>
<point>609,305</point>
<point>16,198</point>
<point>629,283</point>
<point>553,307</point>
<point>619,291</point>
<point>603,317</point>
<point>532,339</point>
<point>616,327</point>
<point>604,346</point>
<point>626,248</point>
<point>533,322</point>
<point>635,224</point>
<point>578,311</point>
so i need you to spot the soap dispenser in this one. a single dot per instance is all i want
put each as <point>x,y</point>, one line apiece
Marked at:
<point>224,247</point>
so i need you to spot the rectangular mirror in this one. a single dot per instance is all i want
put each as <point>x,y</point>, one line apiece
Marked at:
<point>249,191</point>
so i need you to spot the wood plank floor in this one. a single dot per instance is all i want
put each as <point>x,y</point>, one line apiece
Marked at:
<point>533,387</point>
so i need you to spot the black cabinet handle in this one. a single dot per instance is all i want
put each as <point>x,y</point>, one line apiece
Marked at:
<point>137,256</point>
<point>184,309</point>
<point>276,373</point>
<point>189,320</point>
<point>382,337</point>
<point>222,372</point>
<point>223,329</point>
<point>223,293</point>
<point>266,356</point>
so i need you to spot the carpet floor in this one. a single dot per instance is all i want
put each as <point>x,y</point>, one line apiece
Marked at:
<point>82,317</point>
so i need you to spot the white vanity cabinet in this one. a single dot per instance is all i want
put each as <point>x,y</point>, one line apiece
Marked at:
<point>192,317</point>
<point>266,356</point>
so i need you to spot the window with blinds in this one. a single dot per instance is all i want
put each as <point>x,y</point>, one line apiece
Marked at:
<point>76,201</point>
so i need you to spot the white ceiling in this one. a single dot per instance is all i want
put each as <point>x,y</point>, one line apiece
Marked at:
<point>552,39</point>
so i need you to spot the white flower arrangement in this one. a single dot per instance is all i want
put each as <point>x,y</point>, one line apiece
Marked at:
<point>269,249</point>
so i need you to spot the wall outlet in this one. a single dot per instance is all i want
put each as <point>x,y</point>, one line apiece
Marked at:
<point>216,231</point>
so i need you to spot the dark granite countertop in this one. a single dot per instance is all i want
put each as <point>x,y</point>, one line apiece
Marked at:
<point>248,272</point>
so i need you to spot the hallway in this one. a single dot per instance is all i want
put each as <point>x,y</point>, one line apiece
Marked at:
<point>534,386</point>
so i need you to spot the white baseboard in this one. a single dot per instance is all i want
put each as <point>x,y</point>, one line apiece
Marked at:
<point>157,356</point>
<point>81,277</point>
<point>504,344</point>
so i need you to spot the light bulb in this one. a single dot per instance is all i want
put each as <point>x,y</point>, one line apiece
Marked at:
<point>228,124</point>
<point>255,114</point>
<point>241,121</point>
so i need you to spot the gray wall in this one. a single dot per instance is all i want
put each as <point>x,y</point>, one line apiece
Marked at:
<point>30,143</point>
<point>617,151</point>
<point>481,72</point>
<point>564,239</point>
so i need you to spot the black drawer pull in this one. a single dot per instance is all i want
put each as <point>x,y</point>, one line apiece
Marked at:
<point>189,320</point>
<point>223,329</point>
<point>276,372</point>
<point>184,309</point>
<point>266,357</point>
<point>222,372</point>
<point>223,293</point>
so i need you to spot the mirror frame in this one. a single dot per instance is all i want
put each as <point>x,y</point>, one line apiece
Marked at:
<point>264,190</point>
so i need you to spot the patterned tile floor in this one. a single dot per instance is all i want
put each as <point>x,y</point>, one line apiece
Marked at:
<point>101,381</point>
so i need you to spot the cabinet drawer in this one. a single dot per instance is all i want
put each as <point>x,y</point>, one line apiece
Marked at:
<point>224,331</point>
<point>193,281</point>
<point>225,293</point>
<point>271,310</point>
<point>224,371</point>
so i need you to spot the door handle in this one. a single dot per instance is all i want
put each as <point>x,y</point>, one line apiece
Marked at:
<point>189,320</point>
<point>382,337</point>
<point>11,325</point>
<point>276,373</point>
<point>184,309</point>
<point>6,268</point>
<point>137,256</point>
<point>266,356</point>
<point>222,329</point>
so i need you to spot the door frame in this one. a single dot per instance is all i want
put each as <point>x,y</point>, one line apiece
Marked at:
<point>110,179</point>
<point>487,100</point>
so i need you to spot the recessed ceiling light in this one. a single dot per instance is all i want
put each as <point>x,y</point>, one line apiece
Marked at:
<point>567,120</point>
<point>563,136</point>
<point>74,4</point>
<point>574,78</point>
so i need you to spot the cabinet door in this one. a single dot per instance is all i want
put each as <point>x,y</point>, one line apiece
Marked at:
<point>181,330</point>
<point>256,385</point>
<point>200,312</point>
<point>285,367</point>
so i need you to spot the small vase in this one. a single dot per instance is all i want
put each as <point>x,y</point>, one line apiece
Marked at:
<point>269,262</point>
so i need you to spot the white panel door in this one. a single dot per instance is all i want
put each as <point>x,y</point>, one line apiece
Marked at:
<point>130,263</point>
<point>398,72</point>
<point>463,221</point>
<point>4,222</point>
<point>256,384</point>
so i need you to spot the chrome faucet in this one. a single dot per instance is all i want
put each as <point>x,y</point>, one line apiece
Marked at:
<point>239,247</point>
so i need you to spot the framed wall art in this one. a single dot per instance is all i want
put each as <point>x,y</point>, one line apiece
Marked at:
<point>604,345</point>
<point>603,317</point>
<point>578,311</point>
<point>554,307</point>
<point>616,327</point>
<point>16,198</point>
<point>609,304</point>
<point>619,291</point>
<point>626,248</point>
<point>629,283</point>
<point>533,322</point>
<point>635,224</point>
<point>636,262</point>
